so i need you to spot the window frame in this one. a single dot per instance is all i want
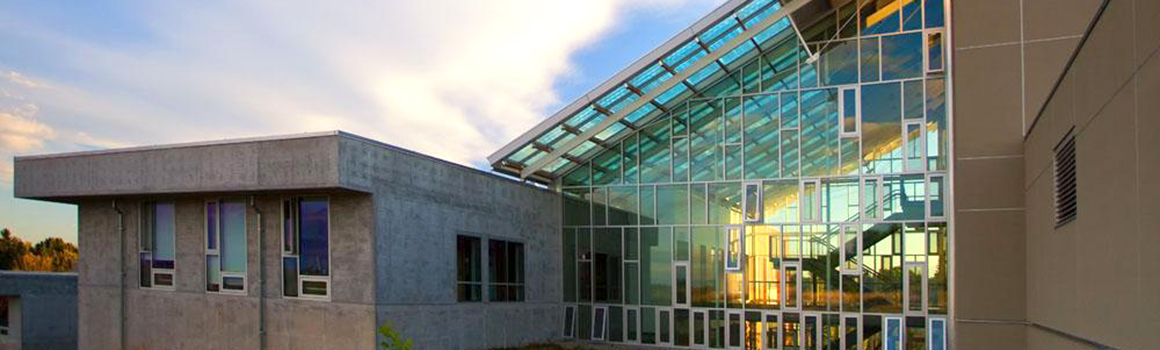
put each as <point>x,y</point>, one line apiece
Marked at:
<point>297,251</point>
<point>485,257</point>
<point>145,229</point>
<point>842,132</point>
<point>217,251</point>
<point>482,284</point>
<point>927,50</point>
<point>6,314</point>
<point>740,262</point>
<point>758,207</point>
<point>941,186</point>
<point>569,332</point>
<point>602,319</point>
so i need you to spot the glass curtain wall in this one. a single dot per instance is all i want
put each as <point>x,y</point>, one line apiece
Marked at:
<point>806,186</point>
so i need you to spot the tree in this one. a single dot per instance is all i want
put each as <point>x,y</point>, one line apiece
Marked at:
<point>51,254</point>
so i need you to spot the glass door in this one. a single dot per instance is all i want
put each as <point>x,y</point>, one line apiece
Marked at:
<point>734,336</point>
<point>754,332</point>
<point>915,284</point>
<point>811,332</point>
<point>793,285</point>
<point>894,329</point>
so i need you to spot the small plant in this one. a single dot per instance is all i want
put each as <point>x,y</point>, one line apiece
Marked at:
<point>391,339</point>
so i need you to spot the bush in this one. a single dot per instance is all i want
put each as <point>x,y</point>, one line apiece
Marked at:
<point>391,339</point>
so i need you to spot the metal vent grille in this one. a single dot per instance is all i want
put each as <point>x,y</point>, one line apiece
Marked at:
<point>1065,197</point>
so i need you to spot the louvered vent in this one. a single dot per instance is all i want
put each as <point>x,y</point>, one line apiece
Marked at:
<point>1065,201</point>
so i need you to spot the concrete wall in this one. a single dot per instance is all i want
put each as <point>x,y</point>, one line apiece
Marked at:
<point>278,163</point>
<point>1095,278</point>
<point>47,308</point>
<point>1007,55</point>
<point>189,317</point>
<point>421,205</point>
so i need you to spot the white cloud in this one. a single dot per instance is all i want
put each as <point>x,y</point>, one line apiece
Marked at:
<point>455,79</point>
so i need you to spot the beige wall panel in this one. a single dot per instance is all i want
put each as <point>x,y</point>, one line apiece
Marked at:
<point>988,111</point>
<point>1148,130</point>
<point>987,336</point>
<point>1045,61</point>
<point>985,183</point>
<point>1046,19</point>
<point>990,270</point>
<point>985,22</point>
<point>1101,68</point>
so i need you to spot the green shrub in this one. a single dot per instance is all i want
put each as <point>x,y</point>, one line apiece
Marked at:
<point>391,339</point>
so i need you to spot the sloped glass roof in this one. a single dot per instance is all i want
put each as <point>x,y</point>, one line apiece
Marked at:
<point>746,29</point>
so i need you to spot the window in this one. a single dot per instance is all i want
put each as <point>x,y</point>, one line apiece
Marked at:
<point>469,262</point>
<point>157,249</point>
<point>1065,196</point>
<point>225,247</point>
<point>849,105</point>
<point>752,203</point>
<point>934,51</point>
<point>569,321</point>
<point>506,271</point>
<point>734,246</point>
<point>598,323</point>
<point>4,323</point>
<point>306,247</point>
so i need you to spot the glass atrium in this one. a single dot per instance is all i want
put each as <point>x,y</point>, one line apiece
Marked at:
<point>777,181</point>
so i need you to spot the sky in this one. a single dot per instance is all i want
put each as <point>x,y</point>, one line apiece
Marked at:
<point>85,75</point>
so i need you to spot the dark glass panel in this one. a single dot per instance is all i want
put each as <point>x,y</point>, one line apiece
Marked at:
<point>657,269</point>
<point>912,15</point>
<point>832,332</point>
<point>936,119</point>
<point>622,206</point>
<point>698,203</point>
<point>870,60</point>
<point>882,128</point>
<point>569,261</point>
<point>632,283</point>
<point>753,331</point>
<point>606,167</point>
<point>584,322</point>
<point>819,135</point>
<point>916,333</point>
<point>912,107</point>
<point>716,329</point>
<point>648,214</point>
<point>211,225</point>
<point>902,56</point>
<point>146,267</point>
<point>290,276</point>
<point>606,262</point>
<point>233,283</point>
<point>164,229</point>
<point>681,243</point>
<point>934,13</point>
<point>762,137</point>
<point>648,325</point>
<point>851,293</point>
<point>616,323</point>
<point>577,209</point>
<point>314,229</point>
<point>673,204</point>
<point>872,337</point>
<point>820,260</point>
<point>840,63</point>
<point>879,17</point>
<point>681,327</point>
<point>708,268</point>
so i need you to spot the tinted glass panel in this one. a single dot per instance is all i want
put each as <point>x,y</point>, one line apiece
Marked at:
<point>314,226</point>
<point>164,229</point>
<point>657,269</point>
<point>233,223</point>
<point>902,56</point>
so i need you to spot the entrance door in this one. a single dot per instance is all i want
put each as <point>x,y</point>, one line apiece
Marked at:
<point>754,332</point>
<point>811,332</point>
<point>894,328</point>
<point>793,285</point>
<point>915,283</point>
<point>734,336</point>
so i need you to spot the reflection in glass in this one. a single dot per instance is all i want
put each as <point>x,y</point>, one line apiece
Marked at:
<point>902,56</point>
<point>657,274</point>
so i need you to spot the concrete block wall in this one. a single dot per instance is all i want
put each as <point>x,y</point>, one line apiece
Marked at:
<point>421,205</point>
<point>1095,278</point>
<point>191,318</point>
<point>48,308</point>
<point>1007,55</point>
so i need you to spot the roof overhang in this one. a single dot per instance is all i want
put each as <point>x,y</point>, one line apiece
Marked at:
<point>639,93</point>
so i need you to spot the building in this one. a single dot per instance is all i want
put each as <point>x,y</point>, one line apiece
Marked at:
<point>809,174</point>
<point>38,310</point>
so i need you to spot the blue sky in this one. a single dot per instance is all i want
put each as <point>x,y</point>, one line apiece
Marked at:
<point>104,74</point>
